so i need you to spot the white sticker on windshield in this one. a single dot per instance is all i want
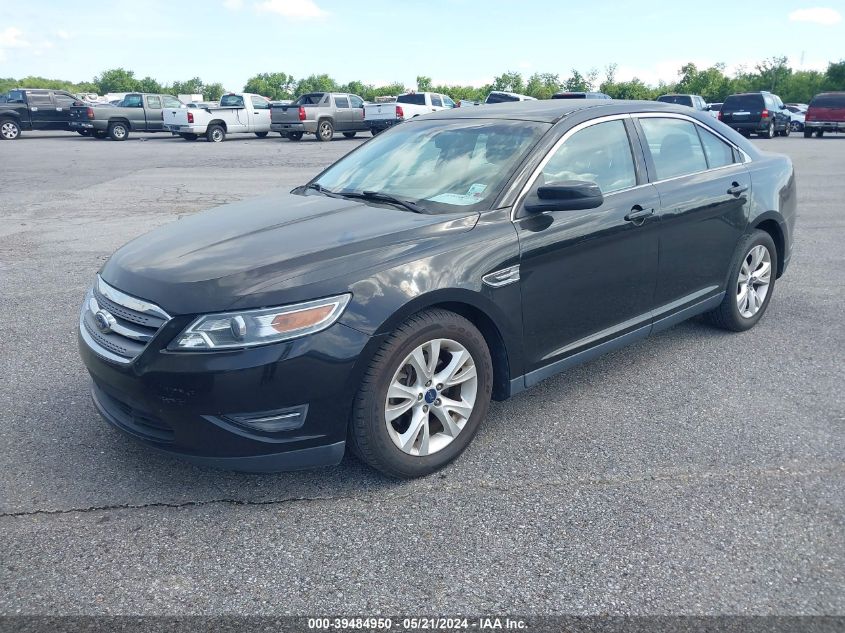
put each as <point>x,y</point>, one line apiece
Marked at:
<point>476,190</point>
<point>473,195</point>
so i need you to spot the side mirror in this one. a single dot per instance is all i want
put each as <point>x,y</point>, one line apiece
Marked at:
<point>569,195</point>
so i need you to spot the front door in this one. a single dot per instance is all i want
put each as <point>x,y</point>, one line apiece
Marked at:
<point>588,276</point>
<point>260,114</point>
<point>704,191</point>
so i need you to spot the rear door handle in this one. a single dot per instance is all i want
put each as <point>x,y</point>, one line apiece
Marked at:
<point>737,189</point>
<point>638,213</point>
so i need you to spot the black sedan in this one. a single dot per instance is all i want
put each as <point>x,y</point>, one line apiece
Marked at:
<point>458,257</point>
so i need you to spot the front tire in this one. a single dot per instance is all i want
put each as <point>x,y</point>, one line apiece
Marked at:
<point>215,134</point>
<point>423,396</point>
<point>294,136</point>
<point>325,131</point>
<point>819,133</point>
<point>752,282</point>
<point>84,132</point>
<point>349,134</point>
<point>10,130</point>
<point>261,134</point>
<point>807,133</point>
<point>118,131</point>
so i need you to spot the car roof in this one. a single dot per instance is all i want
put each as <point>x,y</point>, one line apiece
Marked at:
<point>553,110</point>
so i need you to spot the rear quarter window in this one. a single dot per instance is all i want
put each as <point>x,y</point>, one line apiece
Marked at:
<point>231,101</point>
<point>414,99</point>
<point>677,99</point>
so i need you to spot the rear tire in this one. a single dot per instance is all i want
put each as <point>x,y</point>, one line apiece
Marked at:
<point>10,130</point>
<point>215,134</point>
<point>819,133</point>
<point>807,133</point>
<point>349,134</point>
<point>786,131</point>
<point>325,131</point>
<point>99,134</point>
<point>261,134</point>
<point>118,131</point>
<point>748,277</point>
<point>84,132</point>
<point>770,131</point>
<point>189,137</point>
<point>418,401</point>
<point>294,136</point>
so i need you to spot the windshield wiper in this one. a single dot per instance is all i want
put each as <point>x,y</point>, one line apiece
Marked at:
<point>316,186</point>
<point>384,197</point>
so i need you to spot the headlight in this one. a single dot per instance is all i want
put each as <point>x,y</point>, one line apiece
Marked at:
<point>249,328</point>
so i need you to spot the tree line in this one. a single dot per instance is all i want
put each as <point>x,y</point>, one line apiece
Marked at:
<point>773,74</point>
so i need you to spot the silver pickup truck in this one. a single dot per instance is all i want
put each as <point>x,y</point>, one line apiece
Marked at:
<point>320,113</point>
<point>137,112</point>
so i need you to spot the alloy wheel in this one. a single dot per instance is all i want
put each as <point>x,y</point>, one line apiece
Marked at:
<point>325,130</point>
<point>752,284</point>
<point>9,130</point>
<point>431,397</point>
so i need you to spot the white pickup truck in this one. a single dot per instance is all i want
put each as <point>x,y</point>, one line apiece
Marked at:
<point>238,113</point>
<point>380,116</point>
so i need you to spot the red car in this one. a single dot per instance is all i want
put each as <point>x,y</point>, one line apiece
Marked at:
<point>825,114</point>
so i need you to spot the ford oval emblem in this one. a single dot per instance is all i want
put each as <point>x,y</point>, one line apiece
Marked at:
<point>105,321</point>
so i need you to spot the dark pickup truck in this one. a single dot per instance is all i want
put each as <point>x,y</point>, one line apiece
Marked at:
<point>34,109</point>
<point>137,112</point>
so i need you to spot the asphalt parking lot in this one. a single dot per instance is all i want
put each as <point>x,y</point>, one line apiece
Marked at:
<point>695,472</point>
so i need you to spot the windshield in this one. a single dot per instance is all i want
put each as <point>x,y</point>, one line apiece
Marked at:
<point>443,166</point>
<point>500,97</point>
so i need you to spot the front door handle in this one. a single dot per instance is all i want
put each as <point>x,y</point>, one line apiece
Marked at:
<point>638,214</point>
<point>737,189</point>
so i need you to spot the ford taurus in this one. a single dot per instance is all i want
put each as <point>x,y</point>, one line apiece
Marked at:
<point>458,257</point>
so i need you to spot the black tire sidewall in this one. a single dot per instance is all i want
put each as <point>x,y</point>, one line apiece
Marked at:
<point>209,134</point>
<point>369,407</point>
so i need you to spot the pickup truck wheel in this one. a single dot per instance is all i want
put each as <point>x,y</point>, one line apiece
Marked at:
<point>189,137</point>
<point>819,133</point>
<point>807,133</point>
<point>294,136</point>
<point>261,134</point>
<point>99,134</point>
<point>349,134</point>
<point>84,132</point>
<point>325,131</point>
<point>9,129</point>
<point>118,131</point>
<point>215,134</point>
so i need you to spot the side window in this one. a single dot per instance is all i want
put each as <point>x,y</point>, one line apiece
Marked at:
<point>39,99</point>
<point>674,146</point>
<point>63,101</point>
<point>357,102</point>
<point>448,102</point>
<point>260,103</point>
<point>154,102</point>
<point>600,153</point>
<point>341,102</point>
<point>132,101</point>
<point>436,101</point>
<point>718,152</point>
<point>171,102</point>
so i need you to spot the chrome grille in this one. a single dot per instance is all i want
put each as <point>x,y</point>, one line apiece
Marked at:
<point>118,326</point>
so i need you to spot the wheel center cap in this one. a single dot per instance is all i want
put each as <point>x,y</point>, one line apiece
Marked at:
<point>430,396</point>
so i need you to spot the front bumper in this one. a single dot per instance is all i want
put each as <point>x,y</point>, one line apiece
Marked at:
<point>304,127</point>
<point>199,405</point>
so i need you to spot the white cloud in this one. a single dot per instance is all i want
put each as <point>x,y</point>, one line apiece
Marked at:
<point>301,9</point>
<point>12,37</point>
<point>234,5</point>
<point>816,15</point>
<point>62,35</point>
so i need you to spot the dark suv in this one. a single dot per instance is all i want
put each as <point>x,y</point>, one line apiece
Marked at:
<point>761,113</point>
<point>691,101</point>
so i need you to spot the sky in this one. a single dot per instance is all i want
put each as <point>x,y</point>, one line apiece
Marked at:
<point>380,41</point>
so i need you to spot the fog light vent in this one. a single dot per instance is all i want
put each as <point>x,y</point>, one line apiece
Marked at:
<point>271,421</point>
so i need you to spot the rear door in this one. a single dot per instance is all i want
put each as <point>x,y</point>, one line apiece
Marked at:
<point>343,113</point>
<point>154,113</point>
<point>357,115</point>
<point>704,203</point>
<point>63,103</point>
<point>260,114</point>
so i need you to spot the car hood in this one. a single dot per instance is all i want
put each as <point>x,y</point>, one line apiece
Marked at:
<point>270,251</point>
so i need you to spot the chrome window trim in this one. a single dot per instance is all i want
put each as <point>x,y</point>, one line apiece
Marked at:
<point>128,301</point>
<point>613,117</point>
<point>675,115</point>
